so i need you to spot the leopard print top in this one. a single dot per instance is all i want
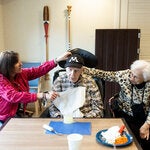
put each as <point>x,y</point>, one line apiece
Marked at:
<point>128,93</point>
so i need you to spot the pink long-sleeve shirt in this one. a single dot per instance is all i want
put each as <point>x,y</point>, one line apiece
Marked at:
<point>12,93</point>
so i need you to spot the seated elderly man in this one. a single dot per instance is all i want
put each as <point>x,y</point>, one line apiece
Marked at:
<point>73,77</point>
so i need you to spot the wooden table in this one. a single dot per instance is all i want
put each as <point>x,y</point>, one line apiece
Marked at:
<point>28,134</point>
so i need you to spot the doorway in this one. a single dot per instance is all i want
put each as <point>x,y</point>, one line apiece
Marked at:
<point>116,49</point>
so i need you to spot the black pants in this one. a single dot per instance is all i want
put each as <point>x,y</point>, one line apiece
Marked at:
<point>134,125</point>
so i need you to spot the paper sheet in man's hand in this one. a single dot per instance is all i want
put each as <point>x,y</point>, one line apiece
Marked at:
<point>70,101</point>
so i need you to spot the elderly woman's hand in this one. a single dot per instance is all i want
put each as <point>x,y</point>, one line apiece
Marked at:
<point>144,131</point>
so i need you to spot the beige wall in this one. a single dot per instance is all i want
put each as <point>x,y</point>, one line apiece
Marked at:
<point>25,32</point>
<point>1,27</point>
<point>138,17</point>
<point>21,24</point>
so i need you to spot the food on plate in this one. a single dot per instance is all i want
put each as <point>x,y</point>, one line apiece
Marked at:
<point>121,140</point>
<point>114,135</point>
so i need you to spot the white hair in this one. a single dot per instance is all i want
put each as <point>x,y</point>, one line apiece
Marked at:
<point>143,66</point>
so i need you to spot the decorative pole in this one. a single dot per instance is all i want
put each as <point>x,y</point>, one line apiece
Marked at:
<point>69,37</point>
<point>46,26</point>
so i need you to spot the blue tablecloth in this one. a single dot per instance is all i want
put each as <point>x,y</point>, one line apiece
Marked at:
<point>83,128</point>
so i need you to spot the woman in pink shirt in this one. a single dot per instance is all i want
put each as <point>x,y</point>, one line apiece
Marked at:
<point>14,86</point>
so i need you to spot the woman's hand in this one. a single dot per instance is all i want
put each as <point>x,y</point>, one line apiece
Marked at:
<point>51,95</point>
<point>48,96</point>
<point>45,97</point>
<point>144,131</point>
<point>63,57</point>
<point>39,95</point>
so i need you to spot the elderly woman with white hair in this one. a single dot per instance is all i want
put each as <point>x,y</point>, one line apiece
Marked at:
<point>133,102</point>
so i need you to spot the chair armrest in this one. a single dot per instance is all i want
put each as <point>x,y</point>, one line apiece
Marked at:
<point>113,103</point>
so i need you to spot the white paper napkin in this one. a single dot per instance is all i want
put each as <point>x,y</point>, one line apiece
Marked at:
<point>70,101</point>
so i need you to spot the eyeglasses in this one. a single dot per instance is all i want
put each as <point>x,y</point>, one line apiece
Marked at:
<point>134,76</point>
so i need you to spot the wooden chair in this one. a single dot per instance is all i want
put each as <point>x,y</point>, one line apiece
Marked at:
<point>34,85</point>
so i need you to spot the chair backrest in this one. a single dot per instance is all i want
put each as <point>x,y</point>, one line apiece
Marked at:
<point>100,83</point>
<point>57,73</point>
<point>32,83</point>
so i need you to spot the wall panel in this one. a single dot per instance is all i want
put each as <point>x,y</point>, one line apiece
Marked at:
<point>138,17</point>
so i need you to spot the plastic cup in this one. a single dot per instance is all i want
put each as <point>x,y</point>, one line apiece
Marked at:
<point>68,119</point>
<point>74,141</point>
